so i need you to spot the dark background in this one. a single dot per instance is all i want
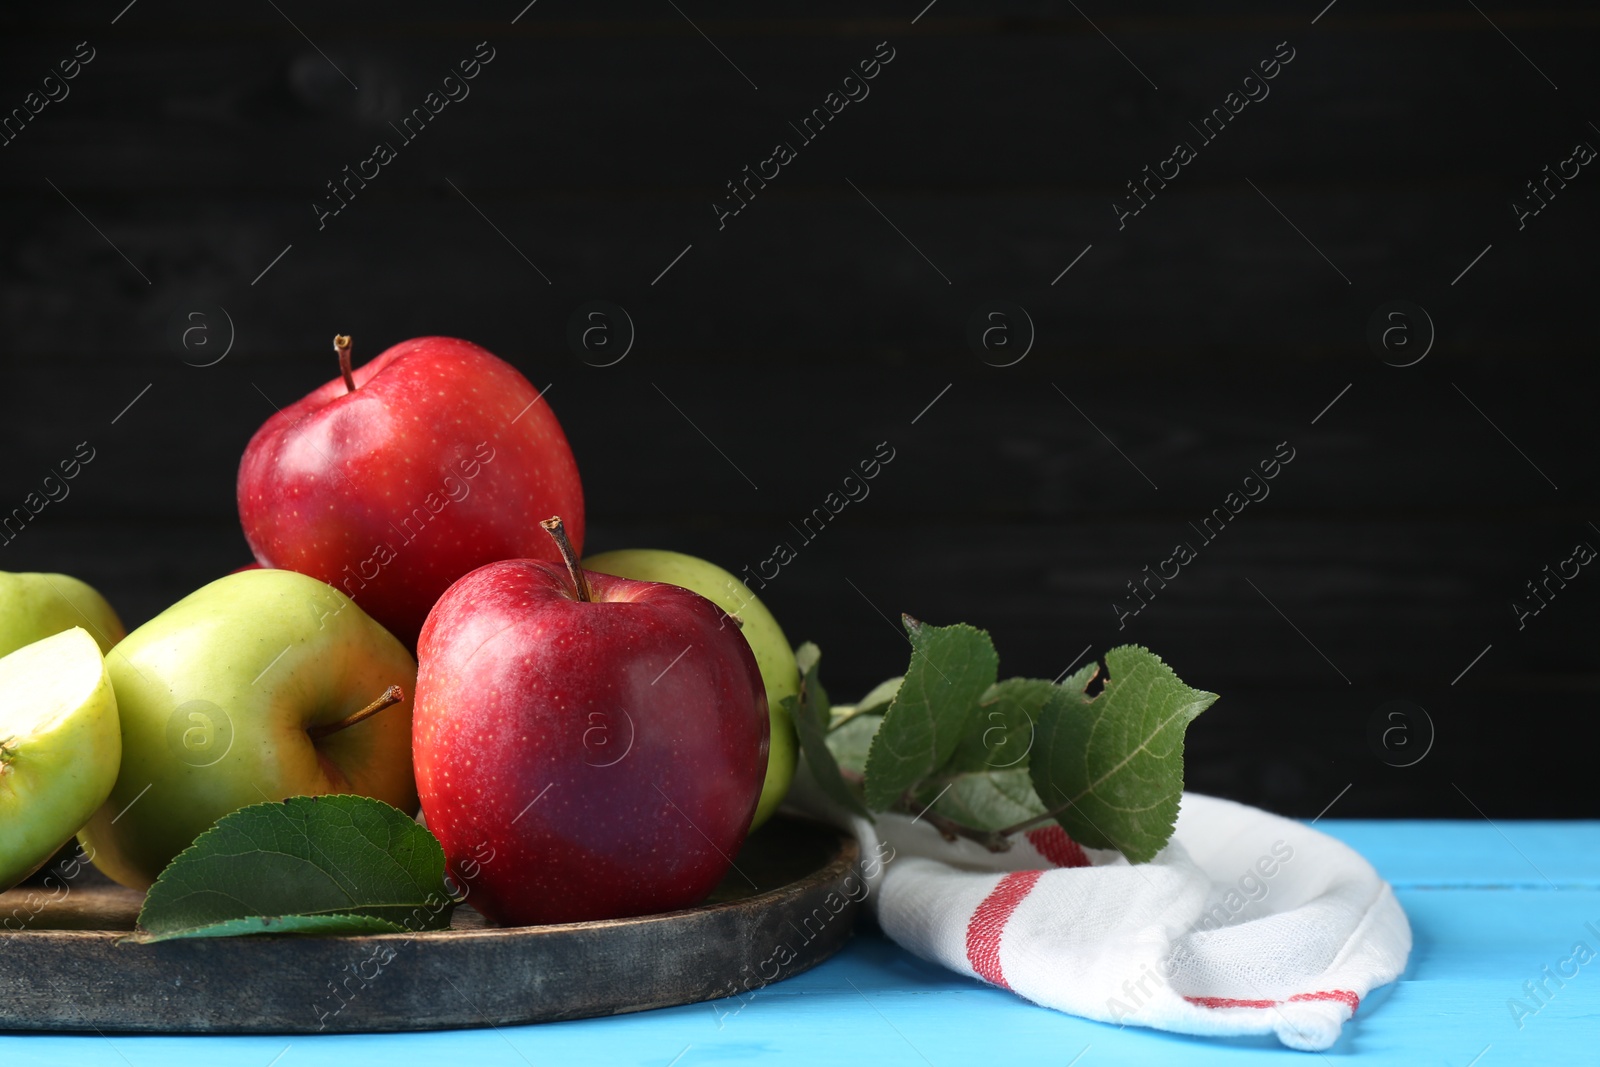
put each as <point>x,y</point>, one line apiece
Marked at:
<point>1224,319</point>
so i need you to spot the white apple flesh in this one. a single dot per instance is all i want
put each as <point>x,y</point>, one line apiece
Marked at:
<point>60,747</point>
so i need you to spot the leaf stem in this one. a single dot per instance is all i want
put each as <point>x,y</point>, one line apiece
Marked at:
<point>950,829</point>
<point>1037,820</point>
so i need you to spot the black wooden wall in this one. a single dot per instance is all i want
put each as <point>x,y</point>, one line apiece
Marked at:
<point>1341,272</point>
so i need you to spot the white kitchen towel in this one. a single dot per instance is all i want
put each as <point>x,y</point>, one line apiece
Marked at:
<point>1246,923</point>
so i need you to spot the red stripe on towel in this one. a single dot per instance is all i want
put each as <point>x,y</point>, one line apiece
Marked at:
<point>1230,1002</point>
<point>1343,996</point>
<point>988,924</point>
<point>1054,845</point>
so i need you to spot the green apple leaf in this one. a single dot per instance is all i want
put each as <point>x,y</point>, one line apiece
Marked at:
<point>811,714</point>
<point>315,865</point>
<point>874,703</point>
<point>882,695</point>
<point>1111,766</point>
<point>951,668</point>
<point>1001,734</point>
<point>992,800</point>
<point>985,785</point>
<point>850,742</point>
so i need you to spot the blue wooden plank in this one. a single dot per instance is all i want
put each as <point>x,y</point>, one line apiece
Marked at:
<point>1476,947</point>
<point>1475,950</point>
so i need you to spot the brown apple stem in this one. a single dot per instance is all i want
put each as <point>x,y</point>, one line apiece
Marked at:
<point>391,696</point>
<point>341,345</point>
<point>558,532</point>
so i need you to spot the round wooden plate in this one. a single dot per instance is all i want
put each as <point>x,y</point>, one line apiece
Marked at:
<point>789,904</point>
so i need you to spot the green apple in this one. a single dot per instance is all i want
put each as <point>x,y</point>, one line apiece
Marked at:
<point>773,653</point>
<point>34,606</point>
<point>235,695</point>
<point>59,747</point>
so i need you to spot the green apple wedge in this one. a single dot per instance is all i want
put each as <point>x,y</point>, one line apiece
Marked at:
<point>773,653</point>
<point>59,747</point>
<point>263,685</point>
<point>34,606</point>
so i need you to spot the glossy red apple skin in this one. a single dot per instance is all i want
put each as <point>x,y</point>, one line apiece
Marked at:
<point>443,459</point>
<point>585,760</point>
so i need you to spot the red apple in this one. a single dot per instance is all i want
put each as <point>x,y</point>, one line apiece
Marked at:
<point>392,481</point>
<point>586,747</point>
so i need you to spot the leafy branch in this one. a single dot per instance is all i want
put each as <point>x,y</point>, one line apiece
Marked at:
<point>984,760</point>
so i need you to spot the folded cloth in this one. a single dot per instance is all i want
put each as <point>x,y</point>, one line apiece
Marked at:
<point>1246,923</point>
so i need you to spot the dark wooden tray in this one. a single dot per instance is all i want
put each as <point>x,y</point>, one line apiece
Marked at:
<point>66,970</point>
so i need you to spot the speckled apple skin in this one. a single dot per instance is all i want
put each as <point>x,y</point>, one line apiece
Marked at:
<point>585,760</point>
<point>438,463</point>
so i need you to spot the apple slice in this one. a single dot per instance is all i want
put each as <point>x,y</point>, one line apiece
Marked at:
<point>60,747</point>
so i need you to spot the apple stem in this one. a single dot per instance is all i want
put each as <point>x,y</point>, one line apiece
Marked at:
<point>341,345</point>
<point>391,696</point>
<point>558,532</point>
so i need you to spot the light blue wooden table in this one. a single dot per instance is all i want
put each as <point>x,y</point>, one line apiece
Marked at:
<point>1491,906</point>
